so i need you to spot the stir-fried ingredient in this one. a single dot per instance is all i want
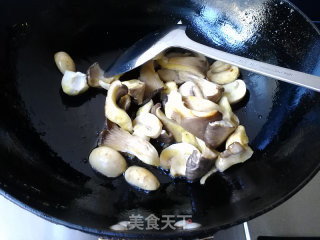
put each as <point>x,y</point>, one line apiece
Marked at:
<point>180,102</point>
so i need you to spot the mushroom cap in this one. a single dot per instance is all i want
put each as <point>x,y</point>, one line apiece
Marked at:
<point>235,91</point>
<point>107,161</point>
<point>141,178</point>
<point>217,132</point>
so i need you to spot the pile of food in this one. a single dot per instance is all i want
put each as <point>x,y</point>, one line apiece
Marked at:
<point>183,103</point>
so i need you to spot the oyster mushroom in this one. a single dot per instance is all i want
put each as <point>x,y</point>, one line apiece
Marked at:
<point>235,153</point>
<point>168,75</point>
<point>193,121</point>
<point>226,110</point>
<point>190,89</point>
<point>123,141</point>
<point>235,91</point>
<point>104,85</point>
<point>222,73</point>
<point>125,102</point>
<point>197,165</point>
<point>148,125</point>
<point>64,62</point>
<point>95,76</point>
<point>107,161</point>
<point>153,84</point>
<point>141,178</point>
<point>166,137</point>
<point>197,64</point>
<point>178,132</point>
<point>168,87</point>
<point>218,131</point>
<point>146,108</point>
<point>239,136</point>
<point>175,158</point>
<point>175,105</point>
<point>136,89</point>
<point>200,104</point>
<point>112,111</point>
<point>74,83</point>
<point>210,90</point>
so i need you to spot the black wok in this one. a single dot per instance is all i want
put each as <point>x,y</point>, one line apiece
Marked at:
<point>46,136</point>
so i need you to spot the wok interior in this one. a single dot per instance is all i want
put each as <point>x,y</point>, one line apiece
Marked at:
<point>46,136</point>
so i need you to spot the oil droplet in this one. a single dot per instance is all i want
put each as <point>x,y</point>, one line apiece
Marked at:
<point>259,116</point>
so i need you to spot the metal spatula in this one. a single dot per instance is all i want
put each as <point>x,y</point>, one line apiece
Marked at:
<point>153,44</point>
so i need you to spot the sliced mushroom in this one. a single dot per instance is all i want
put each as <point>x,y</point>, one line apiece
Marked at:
<point>190,89</point>
<point>176,105</point>
<point>235,153</point>
<point>168,87</point>
<point>235,91</point>
<point>175,158</point>
<point>205,151</point>
<point>107,161</point>
<point>145,108</point>
<point>168,75</point>
<point>217,132</point>
<point>148,125</point>
<point>136,89</point>
<point>141,178</point>
<point>112,111</point>
<point>95,74</point>
<point>74,83</point>
<point>197,65</point>
<point>125,102</point>
<point>226,110</point>
<point>200,104</point>
<point>123,141</point>
<point>239,136</point>
<point>178,132</point>
<point>219,66</point>
<point>64,62</point>
<point>193,121</point>
<point>210,90</point>
<point>197,166</point>
<point>222,73</point>
<point>166,137</point>
<point>153,84</point>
